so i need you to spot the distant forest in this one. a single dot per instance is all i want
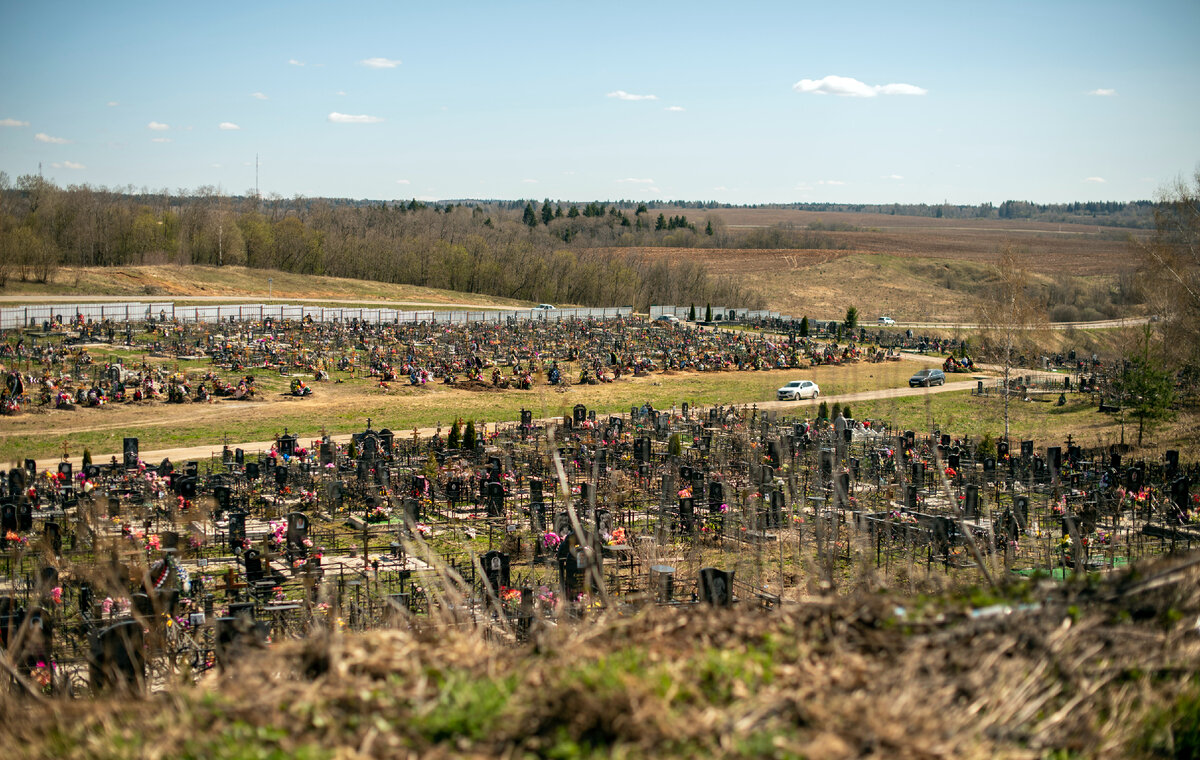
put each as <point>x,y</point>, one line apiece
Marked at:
<point>543,251</point>
<point>530,251</point>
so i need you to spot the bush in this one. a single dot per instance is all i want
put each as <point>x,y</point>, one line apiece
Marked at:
<point>823,411</point>
<point>675,445</point>
<point>987,446</point>
<point>469,436</point>
<point>846,412</point>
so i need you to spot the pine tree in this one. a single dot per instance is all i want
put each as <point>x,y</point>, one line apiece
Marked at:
<point>852,318</point>
<point>455,436</point>
<point>573,212</point>
<point>823,411</point>
<point>804,327</point>
<point>1148,389</point>
<point>708,313</point>
<point>469,436</point>
<point>692,313</point>
<point>708,230</point>
<point>660,223</point>
<point>547,211</point>
<point>529,217</point>
<point>846,412</point>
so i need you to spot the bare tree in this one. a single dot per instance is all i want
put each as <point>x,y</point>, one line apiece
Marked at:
<point>1171,263</point>
<point>1011,317</point>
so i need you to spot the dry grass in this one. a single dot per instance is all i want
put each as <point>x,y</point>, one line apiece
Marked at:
<point>177,283</point>
<point>1092,669</point>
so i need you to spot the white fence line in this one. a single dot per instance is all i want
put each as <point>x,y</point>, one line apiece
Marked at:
<point>19,317</point>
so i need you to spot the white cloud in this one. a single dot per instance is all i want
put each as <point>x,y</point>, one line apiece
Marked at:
<point>67,165</point>
<point>830,182</point>
<point>294,62</point>
<point>158,126</point>
<point>622,95</point>
<point>674,108</point>
<point>850,87</point>
<point>13,123</point>
<point>721,189</point>
<point>380,63</point>
<point>635,181</point>
<point>259,96</point>
<point>113,104</point>
<point>345,118</point>
<point>228,125</point>
<point>529,181</point>
<point>43,137</point>
<point>160,139</point>
<point>403,182</point>
<point>893,176</point>
<point>340,92</point>
<point>1097,180</point>
<point>1103,92</point>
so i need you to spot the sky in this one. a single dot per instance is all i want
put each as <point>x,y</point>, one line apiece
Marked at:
<point>751,102</point>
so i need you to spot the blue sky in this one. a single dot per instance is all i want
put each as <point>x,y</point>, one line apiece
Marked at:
<point>740,103</point>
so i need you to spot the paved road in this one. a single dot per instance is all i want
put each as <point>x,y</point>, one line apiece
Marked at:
<point>209,450</point>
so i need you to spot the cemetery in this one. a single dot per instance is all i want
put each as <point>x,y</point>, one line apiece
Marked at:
<point>141,576</point>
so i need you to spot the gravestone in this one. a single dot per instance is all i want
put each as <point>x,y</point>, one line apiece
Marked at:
<point>641,449</point>
<point>236,636</point>
<point>297,534</point>
<point>687,514</point>
<point>971,502</point>
<point>287,445</point>
<point>53,534</point>
<point>252,471</point>
<point>604,524</point>
<point>662,582</point>
<point>496,570</point>
<point>237,531</point>
<point>495,499</point>
<point>716,587</point>
<point>117,658</point>
<point>562,523</point>
<point>775,510</point>
<point>1021,510</point>
<point>254,566</point>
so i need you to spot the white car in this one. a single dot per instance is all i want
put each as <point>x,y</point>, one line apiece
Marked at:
<point>543,307</point>
<point>886,321</point>
<point>798,389</point>
<point>669,319</point>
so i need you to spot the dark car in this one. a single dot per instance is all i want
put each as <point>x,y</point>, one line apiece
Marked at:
<point>927,377</point>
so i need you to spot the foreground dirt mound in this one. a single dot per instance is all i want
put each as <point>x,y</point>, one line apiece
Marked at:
<point>1094,669</point>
